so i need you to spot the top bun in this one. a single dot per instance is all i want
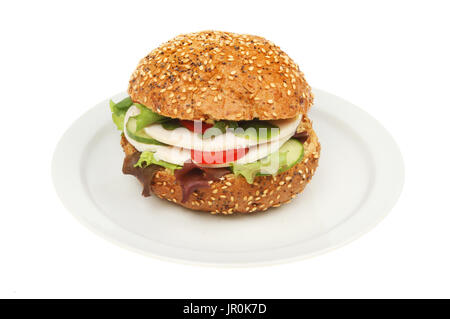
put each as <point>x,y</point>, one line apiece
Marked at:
<point>220,75</point>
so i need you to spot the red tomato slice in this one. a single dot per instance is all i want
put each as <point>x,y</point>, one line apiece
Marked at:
<point>190,125</point>
<point>219,157</point>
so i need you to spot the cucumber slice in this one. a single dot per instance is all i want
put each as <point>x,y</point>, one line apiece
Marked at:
<point>294,153</point>
<point>289,154</point>
<point>139,136</point>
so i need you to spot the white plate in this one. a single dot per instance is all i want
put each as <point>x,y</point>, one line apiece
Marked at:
<point>359,179</point>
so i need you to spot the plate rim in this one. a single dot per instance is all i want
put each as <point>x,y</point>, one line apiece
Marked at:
<point>345,107</point>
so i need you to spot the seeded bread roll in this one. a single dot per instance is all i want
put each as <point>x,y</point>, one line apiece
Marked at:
<point>232,194</point>
<point>220,75</point>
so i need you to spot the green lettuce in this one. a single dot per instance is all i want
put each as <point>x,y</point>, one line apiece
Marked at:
<point>147,117</point>
<point>248,171</point>
<point>148,158</point>
<point>171,124</point>
<point>143,119</point>
<point>270,165</point>
<point>119,110</point>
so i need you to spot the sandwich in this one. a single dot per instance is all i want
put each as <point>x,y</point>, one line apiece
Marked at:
<point>217,122</point>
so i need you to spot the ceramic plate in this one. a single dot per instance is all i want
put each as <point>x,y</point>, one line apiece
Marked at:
<point>358,181</point>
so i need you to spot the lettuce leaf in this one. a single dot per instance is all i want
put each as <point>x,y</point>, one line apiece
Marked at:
<point>119,110</point>
<point>147,158</point>
<point>269,165</point>
<point>147,117</point>
<point>248,171</point>
<point>171,124</point>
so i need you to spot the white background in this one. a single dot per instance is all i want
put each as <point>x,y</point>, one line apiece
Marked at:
<point>57,59</point>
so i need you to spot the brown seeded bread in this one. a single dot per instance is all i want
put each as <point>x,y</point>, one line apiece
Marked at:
<point>220,75</point>
<point>232,194</point>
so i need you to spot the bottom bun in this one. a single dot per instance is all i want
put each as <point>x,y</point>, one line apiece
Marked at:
<point>232,194</point>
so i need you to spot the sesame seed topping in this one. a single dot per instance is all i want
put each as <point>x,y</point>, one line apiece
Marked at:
<point>188,58</point>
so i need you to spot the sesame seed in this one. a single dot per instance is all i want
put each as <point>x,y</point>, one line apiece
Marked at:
<point>270,101</point>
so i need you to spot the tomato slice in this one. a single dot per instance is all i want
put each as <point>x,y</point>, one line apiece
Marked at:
<point>219,157</point>
<point>191,126</point>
